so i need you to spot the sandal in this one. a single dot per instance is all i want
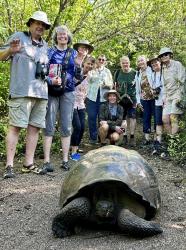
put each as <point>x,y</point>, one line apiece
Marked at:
<point>29,168</point>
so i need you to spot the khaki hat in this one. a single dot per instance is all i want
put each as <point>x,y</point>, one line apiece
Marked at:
<point>39,16</point>
<point>112,91</point>
<point>165,50</point>
<point>152,58</point>
<point>84,43</point>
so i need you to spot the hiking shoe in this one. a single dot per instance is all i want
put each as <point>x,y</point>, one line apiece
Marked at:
<point>156,148</point>
<point>93,142</point>
<point>105,142</point>
<point>9,172</point>
<point>47,167</point>
<point>132,142</point>
<point>80,150</point>
<point>75,157</point>
<point>146,142</point>
<point>165,156</point>
<point>65,165</point>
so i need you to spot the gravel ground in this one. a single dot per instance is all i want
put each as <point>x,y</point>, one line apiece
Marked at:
<point>29,202</point>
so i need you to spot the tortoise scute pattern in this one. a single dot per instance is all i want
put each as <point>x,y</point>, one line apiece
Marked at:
<point>110,186</point>
<point>117,164</point>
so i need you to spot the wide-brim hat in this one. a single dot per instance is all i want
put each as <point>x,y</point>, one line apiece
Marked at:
<point>112,91</point>
<point>39,16</point>
<point>84,43</point>
<point>152,58</point>
<point>165,50</point>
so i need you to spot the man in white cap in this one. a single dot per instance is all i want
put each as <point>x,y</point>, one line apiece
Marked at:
<point>173,74</point>
<point>28,90</point>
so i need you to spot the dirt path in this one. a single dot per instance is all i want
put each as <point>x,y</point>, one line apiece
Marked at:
<point>29,202</point>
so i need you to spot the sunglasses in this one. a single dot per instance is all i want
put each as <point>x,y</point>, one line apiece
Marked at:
<point>101,59</point>
<point>165,54</point>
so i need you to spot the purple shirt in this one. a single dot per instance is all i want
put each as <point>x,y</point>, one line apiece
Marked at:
<point>57,57</point>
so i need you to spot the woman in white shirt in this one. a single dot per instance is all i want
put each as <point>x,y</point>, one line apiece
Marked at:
<point>157,90</point>
<point>99,82</point>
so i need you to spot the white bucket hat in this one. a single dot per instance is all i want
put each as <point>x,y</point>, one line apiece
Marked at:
<point>165,50</point>
<point>39,16</point>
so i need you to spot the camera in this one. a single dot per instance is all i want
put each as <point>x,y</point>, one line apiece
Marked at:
<point>123,129</point>
<point>156,92</point>
<point>41,70</point>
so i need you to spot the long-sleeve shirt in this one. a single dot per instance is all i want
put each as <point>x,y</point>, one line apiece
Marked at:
<point>174,79</point>
<point>99,79</point>
<point>105,115</point>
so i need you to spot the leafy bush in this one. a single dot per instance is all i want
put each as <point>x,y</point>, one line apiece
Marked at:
<point>4,89</point>
<point>177,143</point>
<point>20,149</point>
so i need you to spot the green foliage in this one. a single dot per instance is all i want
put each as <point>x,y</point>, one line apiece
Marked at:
<point>4,80</point>
<point>115,27</point>
<point>3,131</point>
<point>20,149</point>
<point>177,143</point>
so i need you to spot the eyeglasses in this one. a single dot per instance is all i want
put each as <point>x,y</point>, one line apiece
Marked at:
<point>101,59</point>
<point>165,54</point>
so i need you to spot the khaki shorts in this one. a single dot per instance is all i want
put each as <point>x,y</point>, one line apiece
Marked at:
<point>26,111</point>
<point>170,107</point>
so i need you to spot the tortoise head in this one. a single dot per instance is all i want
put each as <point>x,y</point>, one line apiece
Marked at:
<point>104,209</point>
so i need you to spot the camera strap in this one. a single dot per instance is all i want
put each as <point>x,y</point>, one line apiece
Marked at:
<point>66,58</point>
<point>155,79</point>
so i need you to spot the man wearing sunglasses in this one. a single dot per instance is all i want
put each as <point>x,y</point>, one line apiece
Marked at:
<point>173,74</point>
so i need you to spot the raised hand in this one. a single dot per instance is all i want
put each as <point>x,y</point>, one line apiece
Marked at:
<point>15,46</point>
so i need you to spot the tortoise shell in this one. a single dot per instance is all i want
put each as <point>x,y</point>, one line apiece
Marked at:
<point>113,163</point>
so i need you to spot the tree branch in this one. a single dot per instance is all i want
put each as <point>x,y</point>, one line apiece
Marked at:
<point>62,6</point>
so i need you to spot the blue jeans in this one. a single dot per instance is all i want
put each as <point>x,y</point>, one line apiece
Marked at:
<point>78,124</point>
<point>149,111</point>
<point>158,115</point>
<point>93,115</point>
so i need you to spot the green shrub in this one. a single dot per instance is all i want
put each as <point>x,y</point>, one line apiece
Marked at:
<point>177,143</point>
<point>20,149</point>
<point>4,88</point>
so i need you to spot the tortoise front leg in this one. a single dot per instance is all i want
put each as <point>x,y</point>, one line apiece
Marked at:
<point>133,225</point>
<point>63,224</point>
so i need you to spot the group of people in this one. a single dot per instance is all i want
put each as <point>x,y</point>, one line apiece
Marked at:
<point>59,83</point>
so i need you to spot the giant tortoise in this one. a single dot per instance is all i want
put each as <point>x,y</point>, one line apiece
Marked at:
<point>109,186</point>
